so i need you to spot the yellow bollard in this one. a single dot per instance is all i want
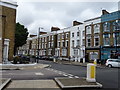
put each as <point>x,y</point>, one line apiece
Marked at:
<point>95,62</point>
<point>91,72</point>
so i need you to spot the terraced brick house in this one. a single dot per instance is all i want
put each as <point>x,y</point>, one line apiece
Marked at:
<point>92,38</point>
<point>63,43</point>
<point>43,45</point>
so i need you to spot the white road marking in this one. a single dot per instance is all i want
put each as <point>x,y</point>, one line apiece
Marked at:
<point>70,77</point>
<point>47,69</point>
<point>61,73</point>
<point>39,73</point>
<point>65,75</point>
<point>76,77</point>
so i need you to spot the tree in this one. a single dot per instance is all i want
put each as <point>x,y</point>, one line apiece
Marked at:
<point>21,34</point>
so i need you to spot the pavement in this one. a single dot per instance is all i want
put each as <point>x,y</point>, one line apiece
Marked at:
<point>77,63</point>
<point>21,66</point>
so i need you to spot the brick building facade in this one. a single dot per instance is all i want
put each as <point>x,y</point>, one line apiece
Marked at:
<point>8,20</point>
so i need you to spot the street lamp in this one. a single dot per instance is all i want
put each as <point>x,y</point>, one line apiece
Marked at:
<point>38,41</point>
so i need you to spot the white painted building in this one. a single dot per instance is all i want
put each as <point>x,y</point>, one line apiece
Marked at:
<point>77,48</point>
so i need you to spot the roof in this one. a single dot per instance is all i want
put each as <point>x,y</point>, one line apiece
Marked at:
<point>9,3</point>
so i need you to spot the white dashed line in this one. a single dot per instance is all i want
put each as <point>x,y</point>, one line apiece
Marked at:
<point>76,77</point>
<point>39,73</point>
<point>65,75</point>
<point>70,77</point>
<point>62,73</point>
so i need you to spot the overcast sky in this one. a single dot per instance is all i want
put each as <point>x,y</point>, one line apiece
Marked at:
<point>60,14</point>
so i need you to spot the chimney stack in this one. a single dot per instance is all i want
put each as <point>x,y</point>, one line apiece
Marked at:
<point>54,29</point>
<point>76,23</point>
<point>32,35</point>
<point>104,12</point>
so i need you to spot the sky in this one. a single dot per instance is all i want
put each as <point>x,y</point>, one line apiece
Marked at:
<point>58,14</point>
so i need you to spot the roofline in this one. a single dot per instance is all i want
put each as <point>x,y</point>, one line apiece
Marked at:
<point>92,19</point>
<point>8,3</point>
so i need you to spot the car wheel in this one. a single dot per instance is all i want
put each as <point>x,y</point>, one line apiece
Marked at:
<point>110,65</point>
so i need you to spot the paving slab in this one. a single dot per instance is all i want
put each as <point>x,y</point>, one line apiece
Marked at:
<point>76,83</point>
<point>4,82</point>
<point>33,84</point>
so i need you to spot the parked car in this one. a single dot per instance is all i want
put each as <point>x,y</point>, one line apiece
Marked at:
<point>113,62</point>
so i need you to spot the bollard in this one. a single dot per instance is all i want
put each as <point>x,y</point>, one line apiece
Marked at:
<point>91,72</point>
<point>95,62</point>
<point>83,60</point>
<point>54,60</point>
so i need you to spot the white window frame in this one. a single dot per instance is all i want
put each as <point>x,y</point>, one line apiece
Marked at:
<point>66,43</point>
<point>96,28</point>
<point>78,43</point>
<point>73,43</point>
<point>63,35</point>
<point>98,41</point>
<point>88,30</point>
<point>78,34</point>
<point>89,42</point>
<point>73,34</point>
<point>67,35</point>
<point>104,38</point>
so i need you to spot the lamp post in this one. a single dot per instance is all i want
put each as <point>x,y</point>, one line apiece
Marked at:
<point>38,49</point>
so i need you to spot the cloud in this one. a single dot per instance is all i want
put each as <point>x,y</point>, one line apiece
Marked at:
<point>61,14</point>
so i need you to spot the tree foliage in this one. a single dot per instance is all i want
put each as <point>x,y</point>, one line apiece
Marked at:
<point>21,34</point>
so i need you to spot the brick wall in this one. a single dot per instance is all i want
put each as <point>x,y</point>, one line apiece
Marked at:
<point>9,31</point>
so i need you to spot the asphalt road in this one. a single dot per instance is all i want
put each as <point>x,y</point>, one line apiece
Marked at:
<point>109,77</point>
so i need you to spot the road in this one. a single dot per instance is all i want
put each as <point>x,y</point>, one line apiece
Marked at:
<point>109,77</point>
